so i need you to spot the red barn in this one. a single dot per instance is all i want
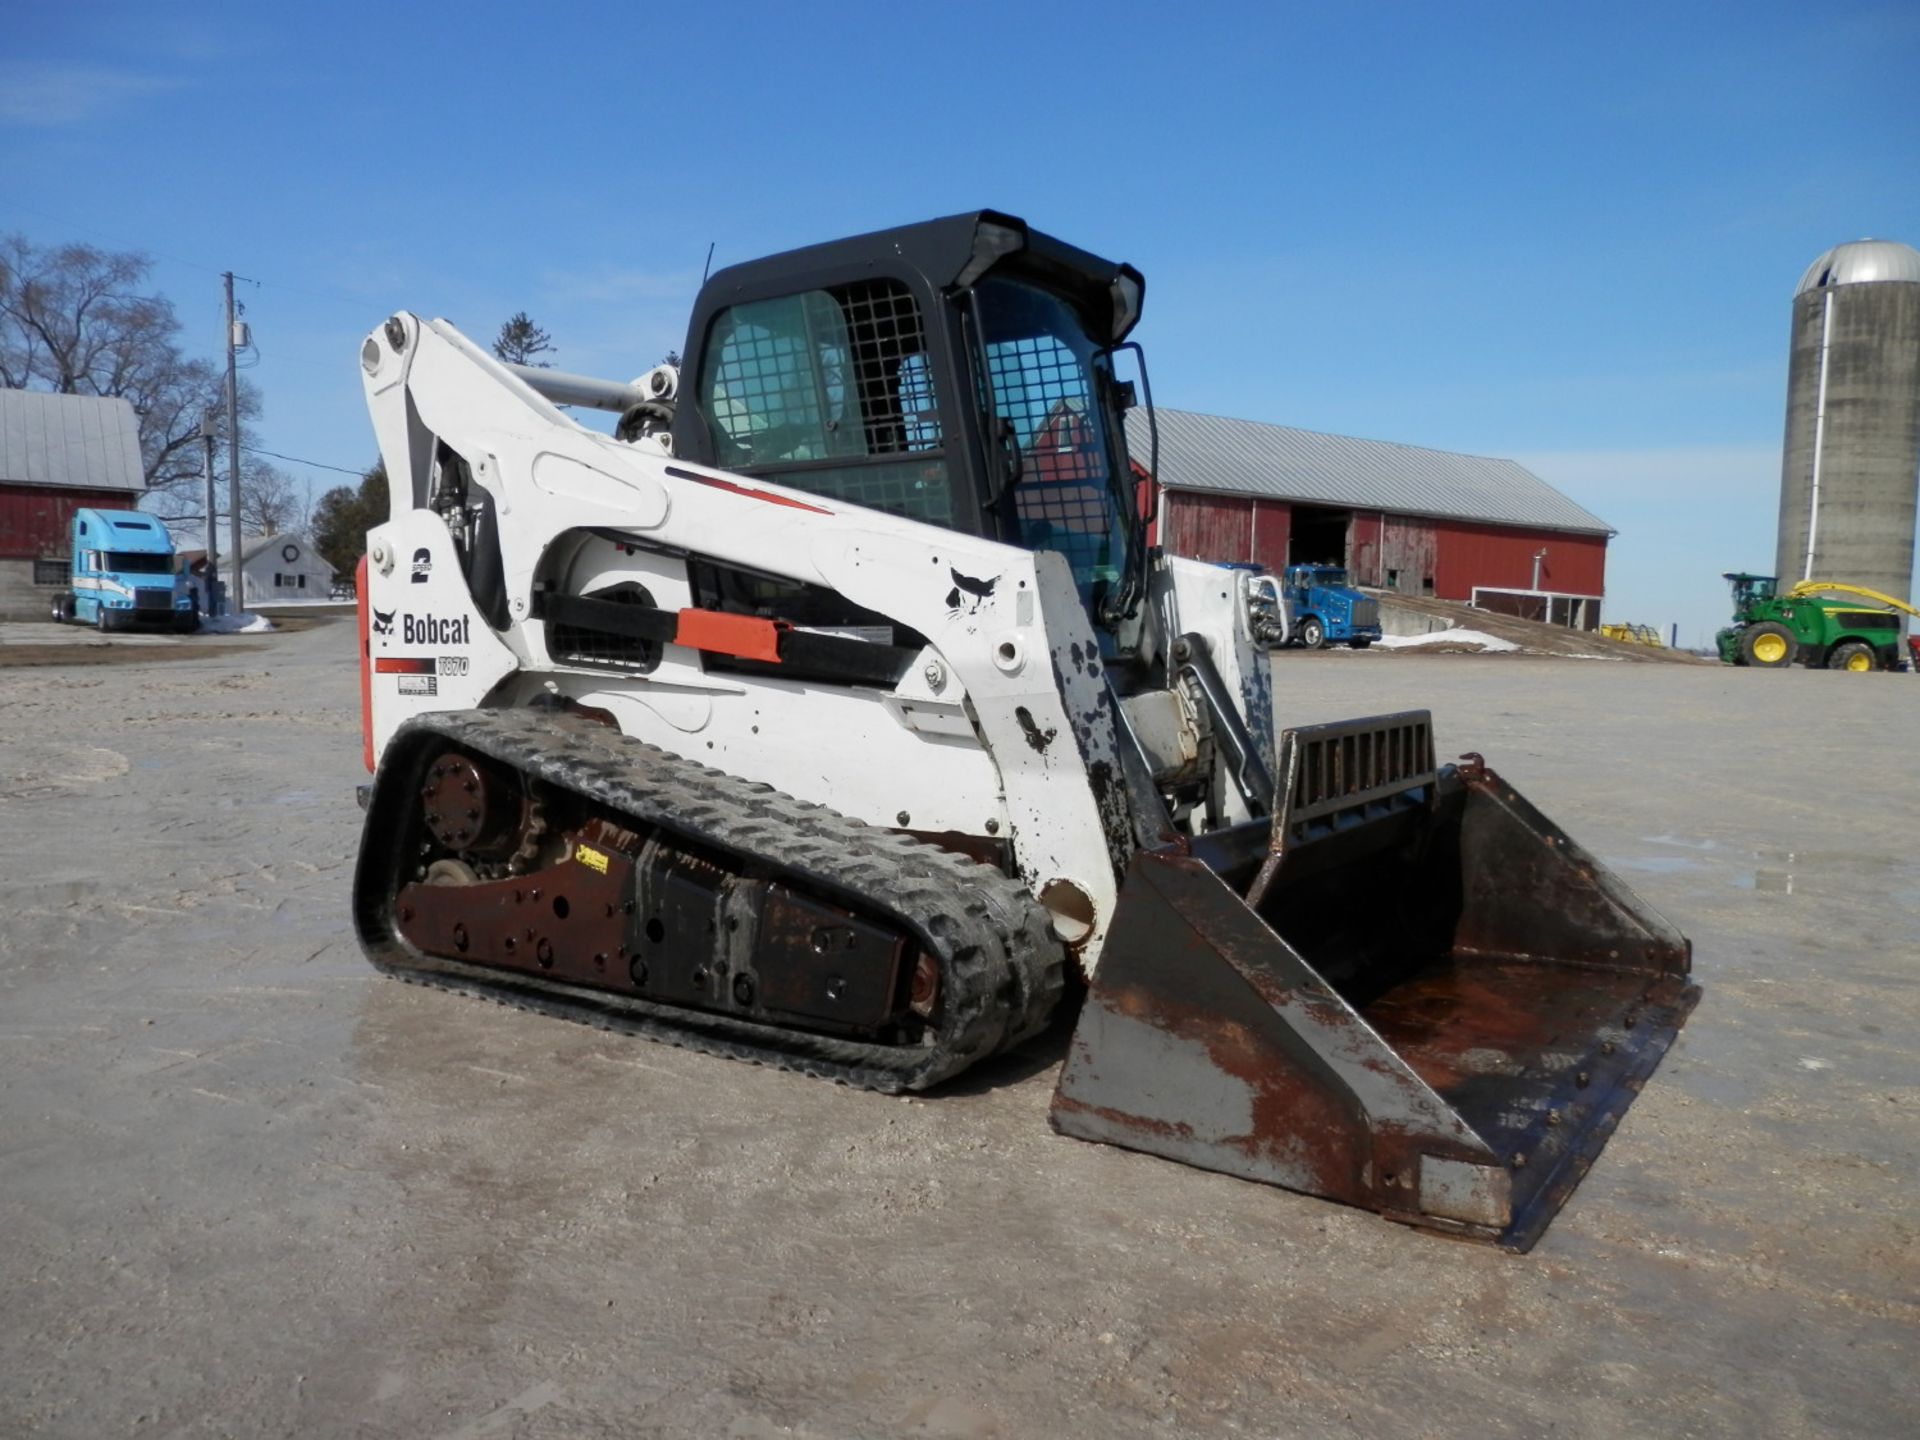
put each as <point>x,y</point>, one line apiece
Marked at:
<point>58,453</point>
<point>1399,517</point>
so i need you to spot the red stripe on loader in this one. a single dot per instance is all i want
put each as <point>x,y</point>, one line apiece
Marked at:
<point>732,489</point>
<point>405,665</point>
<point>366,668</point>
<point>746,636</point>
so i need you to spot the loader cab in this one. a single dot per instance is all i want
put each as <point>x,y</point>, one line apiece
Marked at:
<point>959,372</point>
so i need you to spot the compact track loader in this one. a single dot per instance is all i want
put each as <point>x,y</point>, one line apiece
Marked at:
<point>833,713</point>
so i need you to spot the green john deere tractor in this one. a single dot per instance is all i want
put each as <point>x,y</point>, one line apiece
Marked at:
<point>1771,630</point>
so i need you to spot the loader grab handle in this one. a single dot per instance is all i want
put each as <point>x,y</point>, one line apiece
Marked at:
<point>1195,660</point>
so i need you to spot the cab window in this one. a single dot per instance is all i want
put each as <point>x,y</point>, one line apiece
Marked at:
<point>831,391</point>
<point>133,562</point>
<point>1045,376</point>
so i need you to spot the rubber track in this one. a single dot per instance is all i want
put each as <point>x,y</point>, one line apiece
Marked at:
<point>1002,970</point>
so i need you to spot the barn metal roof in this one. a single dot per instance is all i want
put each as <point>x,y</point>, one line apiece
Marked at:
<point>84,441</point>
<point>1245,457</point>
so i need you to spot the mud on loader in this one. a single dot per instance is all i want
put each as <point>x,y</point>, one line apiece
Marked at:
<point>832,713</point>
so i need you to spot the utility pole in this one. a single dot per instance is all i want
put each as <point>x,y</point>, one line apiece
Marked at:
<point>237,584</point>
<point>209,428</point>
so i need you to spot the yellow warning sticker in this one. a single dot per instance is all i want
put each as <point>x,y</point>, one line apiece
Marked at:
<point>592,859</point>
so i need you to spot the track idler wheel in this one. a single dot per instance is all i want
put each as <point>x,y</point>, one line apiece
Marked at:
<point>480,810</point>
<point>465,807</point>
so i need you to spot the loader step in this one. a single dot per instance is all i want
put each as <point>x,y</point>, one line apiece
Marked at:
<point>641,892</point>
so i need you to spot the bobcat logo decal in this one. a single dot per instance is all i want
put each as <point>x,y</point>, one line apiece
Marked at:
<point>383,622</point>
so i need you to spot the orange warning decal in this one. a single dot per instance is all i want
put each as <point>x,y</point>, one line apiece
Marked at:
<point>746,636</point>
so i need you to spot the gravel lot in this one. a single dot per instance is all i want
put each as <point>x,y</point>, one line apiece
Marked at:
<point>247,1188</point>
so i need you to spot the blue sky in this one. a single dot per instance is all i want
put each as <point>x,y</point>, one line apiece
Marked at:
<point>1563,234</point>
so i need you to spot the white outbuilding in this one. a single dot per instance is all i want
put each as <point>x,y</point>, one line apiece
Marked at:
<point>277,568</point>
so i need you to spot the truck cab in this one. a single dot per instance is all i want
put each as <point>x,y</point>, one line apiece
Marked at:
<point>1327,610</point>
<point>123,575</point>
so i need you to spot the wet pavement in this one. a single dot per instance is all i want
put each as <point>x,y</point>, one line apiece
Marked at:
<point>249,1189</point>
<point>46,632</point>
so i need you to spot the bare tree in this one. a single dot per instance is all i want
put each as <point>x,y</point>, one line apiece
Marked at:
<point>73,320</point>
<point>270,500</point>
<point>521,342</point>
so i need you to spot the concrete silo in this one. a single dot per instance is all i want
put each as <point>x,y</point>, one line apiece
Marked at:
<point>1852,454</point>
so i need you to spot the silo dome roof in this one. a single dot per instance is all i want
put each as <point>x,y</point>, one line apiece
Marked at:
<point>1859,261</point>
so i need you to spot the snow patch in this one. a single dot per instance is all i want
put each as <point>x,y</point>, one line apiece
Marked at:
<point>1479,638</point>
<point>241,624</point>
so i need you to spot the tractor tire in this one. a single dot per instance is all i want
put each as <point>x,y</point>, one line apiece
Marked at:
<point>1853,655</point>
<point>1768,645</point>
<point>1361,643</point>
<point>1313,634</point>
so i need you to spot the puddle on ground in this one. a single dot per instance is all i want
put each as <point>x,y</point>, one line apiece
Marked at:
<point>1655,864</point>
<point>1774,878</point>
<point>1766,871</point>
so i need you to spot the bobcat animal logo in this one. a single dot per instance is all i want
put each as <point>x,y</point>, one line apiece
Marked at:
<point>383,622</point>
<point>968,594</point>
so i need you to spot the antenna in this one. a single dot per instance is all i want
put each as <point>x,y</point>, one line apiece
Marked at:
<point>707,269</point>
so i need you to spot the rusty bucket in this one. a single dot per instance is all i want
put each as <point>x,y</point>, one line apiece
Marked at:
<point>1409,990</point>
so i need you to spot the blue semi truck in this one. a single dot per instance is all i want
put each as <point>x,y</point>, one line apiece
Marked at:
<point>123,575</point>
<point>1325,610</point>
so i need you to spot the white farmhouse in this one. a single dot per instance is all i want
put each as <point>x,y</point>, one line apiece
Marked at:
<point>282,567</point>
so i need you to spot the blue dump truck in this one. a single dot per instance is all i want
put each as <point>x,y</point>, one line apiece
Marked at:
<point>1325,610</point>
<point>123,575</point>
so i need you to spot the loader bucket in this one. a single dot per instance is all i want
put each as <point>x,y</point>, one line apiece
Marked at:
<point>1408,990</point>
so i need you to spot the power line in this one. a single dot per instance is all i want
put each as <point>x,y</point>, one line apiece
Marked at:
<point>111,240</point>
<point>332,367</point>
<point>297,460</point>
<point>338,297</point>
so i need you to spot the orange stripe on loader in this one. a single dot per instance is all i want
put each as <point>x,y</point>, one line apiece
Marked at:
<point>746,636</point>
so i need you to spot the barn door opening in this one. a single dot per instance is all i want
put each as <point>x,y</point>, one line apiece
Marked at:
<point>1318,537</point>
